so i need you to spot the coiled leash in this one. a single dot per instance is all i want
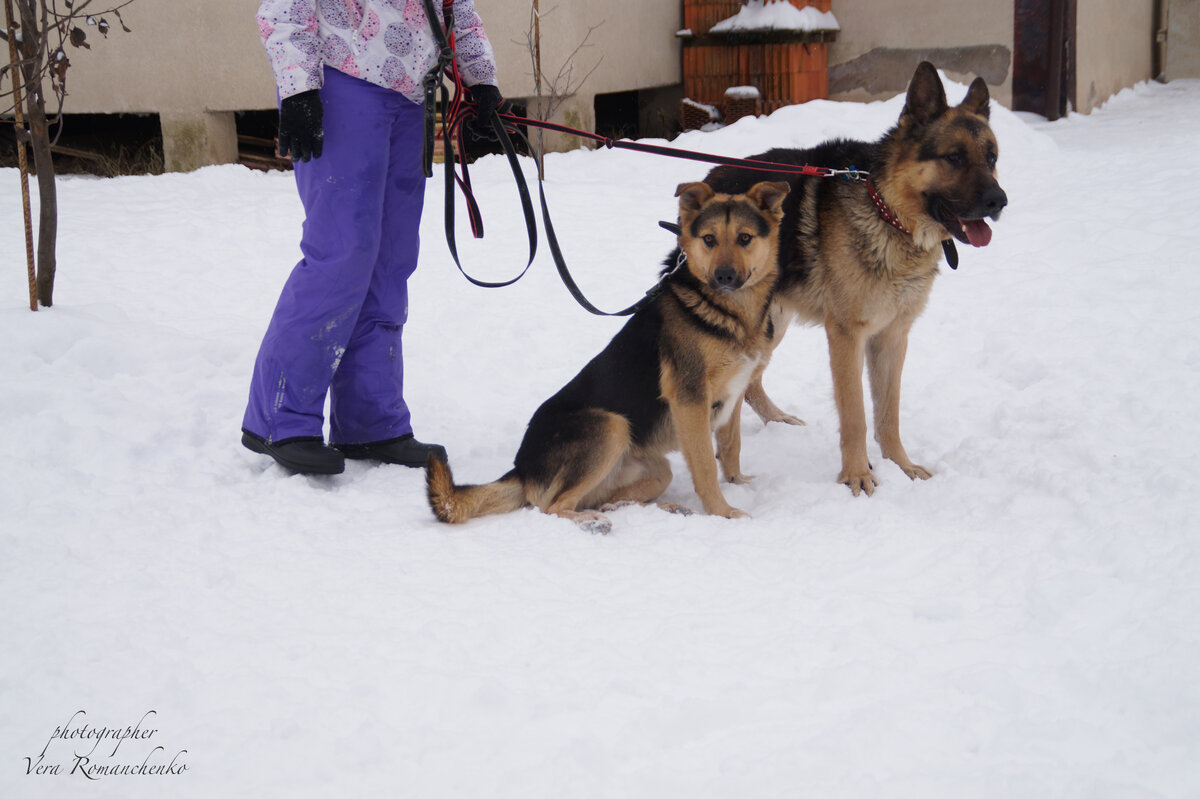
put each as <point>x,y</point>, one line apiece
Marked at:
<point>455,111</point>
<point>459,108</point>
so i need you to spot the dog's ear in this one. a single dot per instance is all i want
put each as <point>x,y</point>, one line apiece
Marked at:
<point>926,99</point>
<point>692,196</point>
<point>978,100</point>
<point>769,195</point>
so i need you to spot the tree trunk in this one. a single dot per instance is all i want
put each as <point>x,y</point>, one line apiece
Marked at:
<point>43,163</point>
<point>47,259</point>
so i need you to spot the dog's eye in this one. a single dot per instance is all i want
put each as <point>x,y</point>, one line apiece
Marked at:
<point>744,239</point>
<point>991,160</point>
<point>955,159</point>
<point>709,240</point>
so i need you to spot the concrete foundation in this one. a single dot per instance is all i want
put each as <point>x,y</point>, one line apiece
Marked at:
<point>193,140</point>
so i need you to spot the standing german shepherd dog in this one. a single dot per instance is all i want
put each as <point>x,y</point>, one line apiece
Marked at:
<point>676,371</point>
<point>860,258</point>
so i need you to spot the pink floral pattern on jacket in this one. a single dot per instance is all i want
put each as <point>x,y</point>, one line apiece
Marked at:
<point>386,42</point>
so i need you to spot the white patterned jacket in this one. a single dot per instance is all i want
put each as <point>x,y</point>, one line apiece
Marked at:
<point>386,42</point>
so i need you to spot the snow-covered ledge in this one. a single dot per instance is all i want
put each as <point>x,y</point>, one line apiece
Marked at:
<point>777,16</point>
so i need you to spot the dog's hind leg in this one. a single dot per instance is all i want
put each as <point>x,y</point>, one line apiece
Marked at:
<point>586,461</point>
<point>885,363</point>
<point>729,446</point>
<point>756,395</point>
<point>766,409</point>
<point>654,477</point>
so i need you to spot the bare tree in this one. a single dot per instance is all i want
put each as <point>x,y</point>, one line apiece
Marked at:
<point>38,38</point>
<point>551,93</point>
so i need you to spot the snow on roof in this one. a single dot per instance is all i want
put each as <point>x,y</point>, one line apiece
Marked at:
<point>758,15</point>
<point>742,92</point>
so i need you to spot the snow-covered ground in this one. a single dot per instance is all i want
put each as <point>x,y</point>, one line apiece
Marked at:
<point>1024,624</point>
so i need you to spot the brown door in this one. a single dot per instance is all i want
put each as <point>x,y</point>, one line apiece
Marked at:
<point>1044,56</point>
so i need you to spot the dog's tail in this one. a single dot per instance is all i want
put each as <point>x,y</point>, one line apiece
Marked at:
<point>456,504</point>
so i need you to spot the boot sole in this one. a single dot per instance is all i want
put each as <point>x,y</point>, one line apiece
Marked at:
<point>255,445</point>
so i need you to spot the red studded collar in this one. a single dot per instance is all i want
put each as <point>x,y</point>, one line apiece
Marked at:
<point>885,211</point>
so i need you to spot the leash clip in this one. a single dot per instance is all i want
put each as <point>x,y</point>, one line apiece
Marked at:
<point>680,260</point>
<point>855,174</point>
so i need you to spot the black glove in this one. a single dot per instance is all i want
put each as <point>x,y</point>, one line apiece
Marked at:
<point>487,101</point>
<point>300,133</point>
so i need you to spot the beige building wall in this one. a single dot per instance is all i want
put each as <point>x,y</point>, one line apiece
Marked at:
<point>179,57</point>
<point>1183,39</point>
<point>1114,48</point>
<point>195,62</point>
<point>627,45</point>
<point>876,52</point>
<point>881,44</point>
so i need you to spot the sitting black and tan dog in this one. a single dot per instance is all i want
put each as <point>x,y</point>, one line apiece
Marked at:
<point>675,373</point>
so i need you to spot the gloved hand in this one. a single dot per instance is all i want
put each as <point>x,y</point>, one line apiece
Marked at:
<point>300,133</point>
<point>487,101</point>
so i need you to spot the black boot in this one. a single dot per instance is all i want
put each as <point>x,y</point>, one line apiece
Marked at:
<point>405,451</point>
<point>301,455</point>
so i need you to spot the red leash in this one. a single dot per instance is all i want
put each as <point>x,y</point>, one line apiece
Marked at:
<point>806,170</point>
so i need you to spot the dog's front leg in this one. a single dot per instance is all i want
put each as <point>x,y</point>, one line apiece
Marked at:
<point>694,430</point>
<point>846,344</point>
<point>885,363</point>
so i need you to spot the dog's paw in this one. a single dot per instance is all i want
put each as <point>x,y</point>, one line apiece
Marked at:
<point>594,522</point>
<point>786,418</point>
<point>859,482</point>
<point>675,507</point>
<point>729,512</point>
<point>740,479</point>
<point>916,472</point>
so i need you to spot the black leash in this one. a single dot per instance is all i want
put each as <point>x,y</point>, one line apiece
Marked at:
<point>453,110</point>
<point>454,113</point>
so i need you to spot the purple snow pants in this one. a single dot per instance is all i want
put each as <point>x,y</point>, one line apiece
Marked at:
<point>338,322</point>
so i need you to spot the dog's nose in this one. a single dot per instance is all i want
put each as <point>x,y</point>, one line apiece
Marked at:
<point>994,200</point>
<point>725,276</point>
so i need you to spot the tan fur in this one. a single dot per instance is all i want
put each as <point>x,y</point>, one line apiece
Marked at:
<point>866,282</point>
<point>456,504</point>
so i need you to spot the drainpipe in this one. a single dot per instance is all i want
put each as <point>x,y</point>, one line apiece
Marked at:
<point>1054,69</point>
<point>1158,65</point>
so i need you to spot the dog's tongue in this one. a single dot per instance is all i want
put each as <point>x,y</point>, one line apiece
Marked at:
<point>978,232</point>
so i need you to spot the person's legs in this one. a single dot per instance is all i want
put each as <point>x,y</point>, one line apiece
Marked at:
<point>343,193</point>
<point>367,393</point>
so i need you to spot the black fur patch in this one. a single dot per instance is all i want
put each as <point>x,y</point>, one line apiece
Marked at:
<point>623,379</point>
<point>727,212</point>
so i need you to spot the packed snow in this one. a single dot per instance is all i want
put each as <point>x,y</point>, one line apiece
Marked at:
<point>1023,624</point>
<point>779,15</point>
